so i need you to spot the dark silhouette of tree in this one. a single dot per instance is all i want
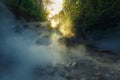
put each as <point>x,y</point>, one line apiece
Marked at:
<point>19,3</point>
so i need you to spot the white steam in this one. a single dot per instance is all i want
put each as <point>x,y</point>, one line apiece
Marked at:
<point>20,53</point>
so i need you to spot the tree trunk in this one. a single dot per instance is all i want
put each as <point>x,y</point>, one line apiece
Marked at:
<point>19,3</point>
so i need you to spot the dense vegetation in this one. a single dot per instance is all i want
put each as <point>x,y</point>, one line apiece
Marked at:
<point>93,15</point>
<point>29,9</point>
<point>87,16</point>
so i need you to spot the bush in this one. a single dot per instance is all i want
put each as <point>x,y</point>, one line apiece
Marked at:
<point>28,8</point>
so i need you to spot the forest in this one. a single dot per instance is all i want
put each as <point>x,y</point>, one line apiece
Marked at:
<point>87,16</point>
<point>59,39</point>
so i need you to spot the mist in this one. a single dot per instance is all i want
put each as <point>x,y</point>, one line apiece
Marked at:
<point>30,51</point>
<point>19,51</point>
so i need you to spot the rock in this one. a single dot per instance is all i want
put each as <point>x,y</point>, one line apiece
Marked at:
<point>83,78</point>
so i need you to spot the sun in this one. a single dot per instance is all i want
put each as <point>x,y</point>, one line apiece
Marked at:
<point>55,7</point>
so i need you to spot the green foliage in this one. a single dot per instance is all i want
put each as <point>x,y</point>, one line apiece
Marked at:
<point>32,9</point>
<point>72,8</point>
<point>29,6</point>
<point>93,14</point>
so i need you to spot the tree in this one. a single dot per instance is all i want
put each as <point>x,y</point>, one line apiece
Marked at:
<point>29,9</point>
<point>19,3</point>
